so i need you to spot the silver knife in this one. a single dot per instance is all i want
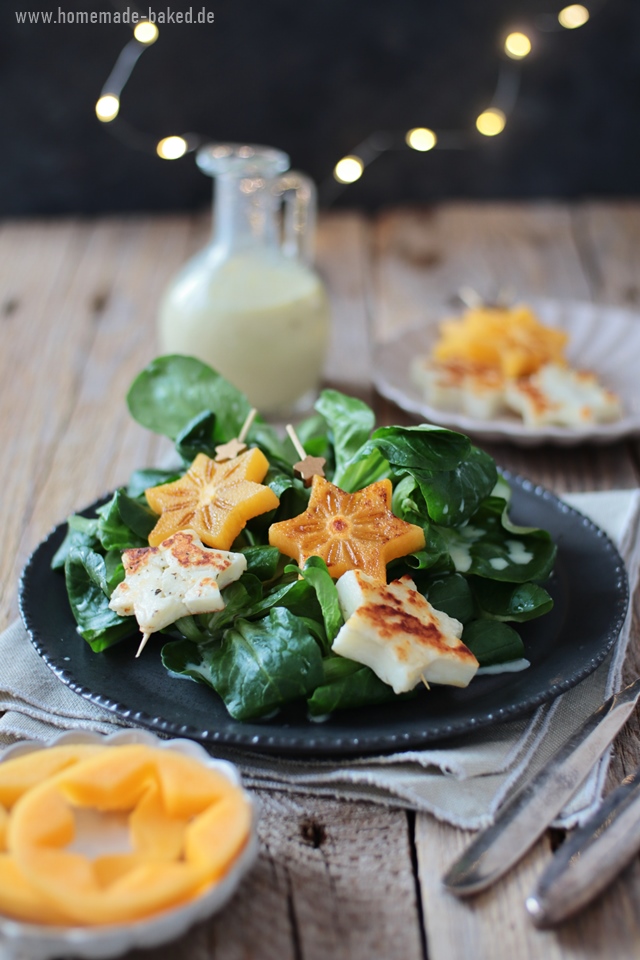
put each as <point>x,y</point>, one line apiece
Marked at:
<point>591,858</point>
<point>526,816</point>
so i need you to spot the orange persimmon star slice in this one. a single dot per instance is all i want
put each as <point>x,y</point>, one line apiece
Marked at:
<point>350,531</point>
<point>173,858</point>
<point>214,499</point>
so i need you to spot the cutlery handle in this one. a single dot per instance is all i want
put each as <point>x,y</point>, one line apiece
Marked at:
<point>525,817</point>
<point>591,858</point>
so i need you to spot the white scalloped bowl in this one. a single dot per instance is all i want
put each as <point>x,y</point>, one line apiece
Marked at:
<point>603,339</point>
<point>24,941</point>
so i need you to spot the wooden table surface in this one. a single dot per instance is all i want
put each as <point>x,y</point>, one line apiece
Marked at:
<point>77,310</point>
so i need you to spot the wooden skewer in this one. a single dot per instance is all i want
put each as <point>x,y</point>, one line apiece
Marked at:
<point>143,643</point>
<point>307,467</point>
<point>293,436</point>
<point>424,681</point>
<point>470,297</point>
<point>233,448</point>
<point>473,300</point>
<point>246,426</point>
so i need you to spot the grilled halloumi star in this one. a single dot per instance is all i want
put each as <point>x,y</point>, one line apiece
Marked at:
<point>394,630</point>
<point>179,577</point>
<point>562,396</point>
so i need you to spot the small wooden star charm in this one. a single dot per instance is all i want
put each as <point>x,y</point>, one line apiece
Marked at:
<point>233,448</point>
<point>307,467</point>
<point>227,451</point>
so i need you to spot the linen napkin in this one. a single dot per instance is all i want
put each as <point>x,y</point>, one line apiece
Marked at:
<point>461,782</point>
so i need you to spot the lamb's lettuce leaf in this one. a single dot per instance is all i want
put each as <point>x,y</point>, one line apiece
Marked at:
<point>492,642</point>
<point>198,436</point>
<point>315,572</point>
<point>262,561</point>
<point>314,435</point>
<point>452,594</point>
<point>141,480</point>
<point>81,532</point>
<point>125,522</point>
<point>486,548</point>
<point>453,496</point>
<point>350,421</point>
<point>423,448</point>
<point>258,667</point>
<point>347,684</point>
<point>238,598</point>
<point>114,570</point>
<point>174,391</point>
<point>508,601</point>
<point>360,472</point>
<point>87,588</point>
<point>297,596</point>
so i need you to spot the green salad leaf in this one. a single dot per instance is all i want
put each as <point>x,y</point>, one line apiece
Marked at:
<point>171,392</point>
<point>347,685</point>
<point>125,523</point>
<point>262,561</point>
<point>87,589</point>
<point>350,421</point>
<point>257,667</point>
<point>81,532</point>
<point>452,594</point>
<point>486,548</point>
<point>492,642</point>
<point>316,574</point>
<point>424,447</point>
<point>198,436</point>
<point>508,601</point>
<point>141,480</point>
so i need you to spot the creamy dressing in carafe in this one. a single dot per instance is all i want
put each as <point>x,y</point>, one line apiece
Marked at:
<point>261,321</point>
<point>249,307</point>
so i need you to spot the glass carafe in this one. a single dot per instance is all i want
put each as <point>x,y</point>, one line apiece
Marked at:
<point>250,304</point>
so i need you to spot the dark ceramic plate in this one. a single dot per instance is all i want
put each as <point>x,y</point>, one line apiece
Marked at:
<point>589,587</point>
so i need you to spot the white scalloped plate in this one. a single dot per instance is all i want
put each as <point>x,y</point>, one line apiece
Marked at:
<point>24,941</point>
<point>603,339</point>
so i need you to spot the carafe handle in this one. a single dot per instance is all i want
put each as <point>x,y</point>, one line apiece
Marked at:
<point>298,193</point>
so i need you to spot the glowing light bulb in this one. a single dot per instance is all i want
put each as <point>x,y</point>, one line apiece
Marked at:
<point>107,108</point>
<point>573,16</point>
<point>145,32</point>
<point>348,170</point>
<point>171,148</point>
<point>421,138</point>
<point>491,122</point>
<point>517,46</point>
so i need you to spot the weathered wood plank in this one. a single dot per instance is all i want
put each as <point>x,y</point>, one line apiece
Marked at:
<point>423,257</point>
<point>350,877</point>
<point>342,254</point>
<point>495,924</point>
<point>608,238</point>
<point>332,880</point>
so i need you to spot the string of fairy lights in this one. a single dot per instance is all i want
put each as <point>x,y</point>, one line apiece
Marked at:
<point>514,47</point>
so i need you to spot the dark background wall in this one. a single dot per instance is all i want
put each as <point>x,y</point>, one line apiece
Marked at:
<point>315,78</point>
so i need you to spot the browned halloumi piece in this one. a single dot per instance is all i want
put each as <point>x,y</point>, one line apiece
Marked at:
<point>395,631</point>
<point>177,578</point>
